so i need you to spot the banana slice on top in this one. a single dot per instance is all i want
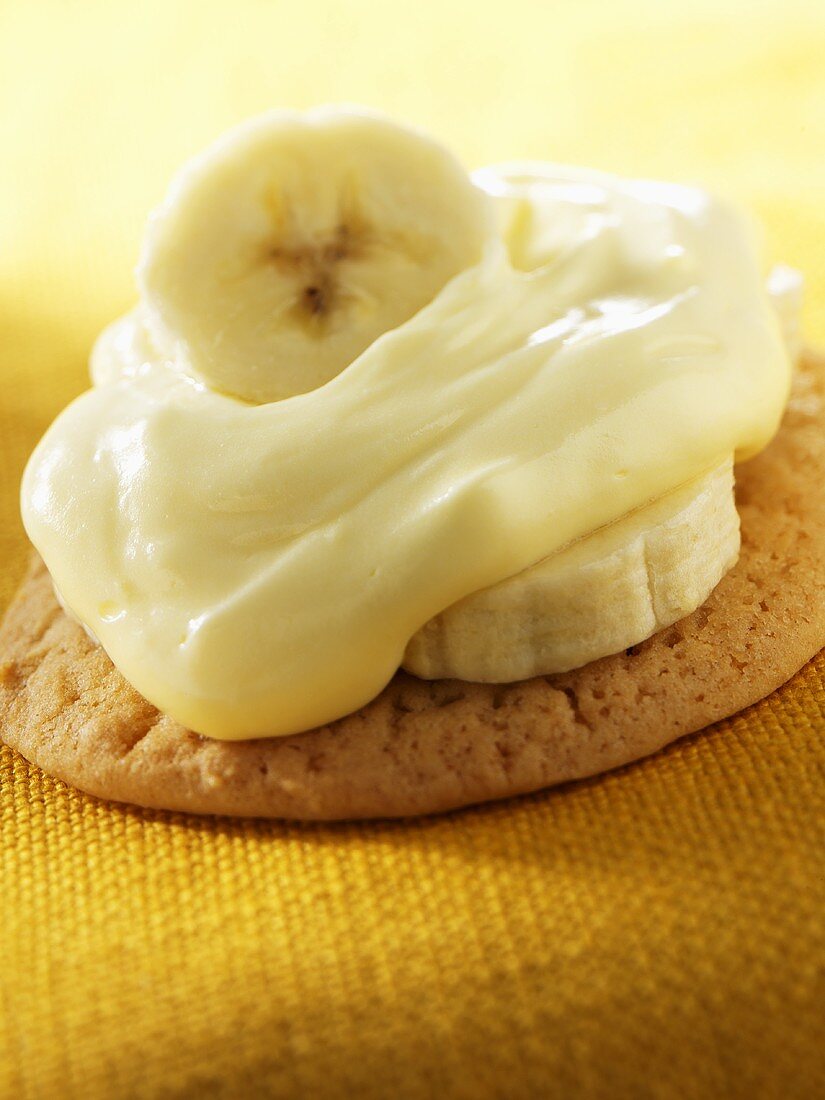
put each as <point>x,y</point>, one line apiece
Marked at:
<point>290,245</point>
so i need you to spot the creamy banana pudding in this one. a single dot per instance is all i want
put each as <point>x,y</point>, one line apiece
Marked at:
<point>372,409</point>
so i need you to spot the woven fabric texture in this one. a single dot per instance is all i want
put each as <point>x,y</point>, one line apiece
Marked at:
<point>656,932</point>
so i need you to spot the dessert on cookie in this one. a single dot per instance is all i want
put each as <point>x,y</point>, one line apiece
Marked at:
<point>403,488</point>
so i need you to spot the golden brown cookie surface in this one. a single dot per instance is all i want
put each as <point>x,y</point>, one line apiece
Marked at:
<point>422,747</point>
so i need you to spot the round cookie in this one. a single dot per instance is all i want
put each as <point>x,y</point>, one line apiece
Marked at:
<point>420,746</point>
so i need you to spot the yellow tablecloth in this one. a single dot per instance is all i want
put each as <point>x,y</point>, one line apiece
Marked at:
<point>654,933</point>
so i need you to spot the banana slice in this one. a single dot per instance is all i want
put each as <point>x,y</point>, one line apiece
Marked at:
<point>598,596</point>
<point>296,240</point>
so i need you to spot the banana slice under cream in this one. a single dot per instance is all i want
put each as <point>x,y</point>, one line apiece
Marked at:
<point>295,241</point>
<point>604,593</point>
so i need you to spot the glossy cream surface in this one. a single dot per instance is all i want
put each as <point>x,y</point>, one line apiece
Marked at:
<point>257,570</point>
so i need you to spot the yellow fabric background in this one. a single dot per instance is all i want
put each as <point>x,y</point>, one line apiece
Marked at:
<point>655,933</point>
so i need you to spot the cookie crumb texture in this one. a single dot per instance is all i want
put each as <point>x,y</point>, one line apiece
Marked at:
<point>422,747</point>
